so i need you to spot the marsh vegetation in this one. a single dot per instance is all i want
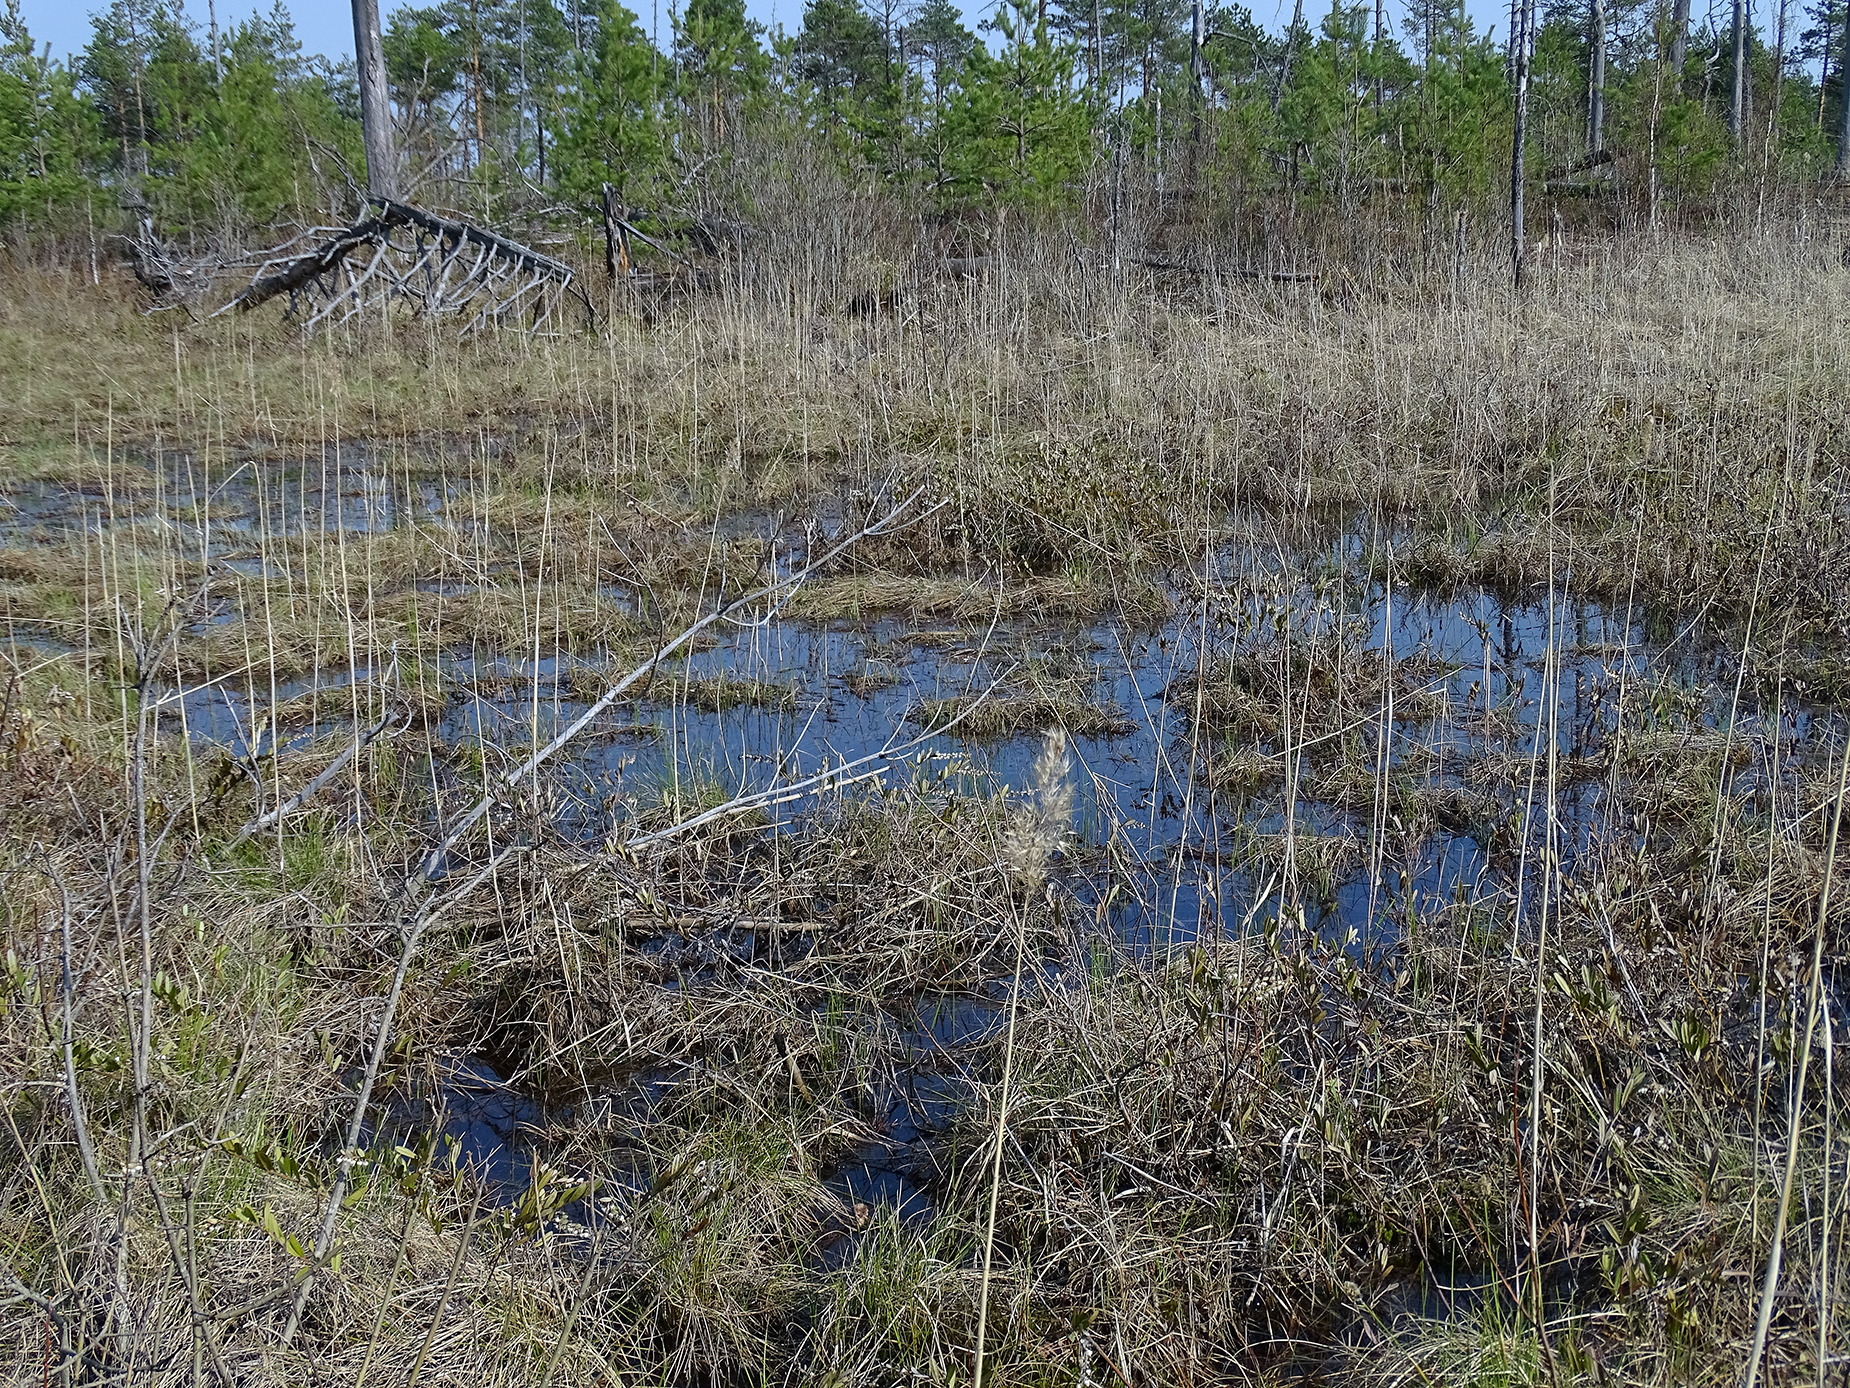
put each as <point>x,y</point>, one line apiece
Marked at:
<point>1204,831</point>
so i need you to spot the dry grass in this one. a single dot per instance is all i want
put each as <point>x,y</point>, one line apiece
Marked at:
<point>1085,431</point>
<point>1234,1158</point>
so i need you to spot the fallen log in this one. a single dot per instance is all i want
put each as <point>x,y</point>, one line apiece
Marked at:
<point>424,271</point>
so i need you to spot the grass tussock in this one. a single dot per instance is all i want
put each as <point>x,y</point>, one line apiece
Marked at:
<point>1000,714</point>
<point>717,694</point>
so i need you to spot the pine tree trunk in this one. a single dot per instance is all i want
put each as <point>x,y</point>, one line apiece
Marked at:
<point>1824,82</point>
<point>1098,65</point>
<point>1679,42</point>
<point>1520,48</point>
<point>141,105</point>
<point>1843,103</point>
<point>1291,43</point>
<point>1737,96</point>
<point>1197,70</point>
<point>1596,82</point>
<point>1380,29</point>
<point>375,101</point>
<point>1772,117</point>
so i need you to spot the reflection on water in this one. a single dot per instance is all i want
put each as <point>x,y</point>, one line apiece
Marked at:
<point>1236,760</point>
<point>229,511</point>
<point>1161,837</point>
<point>1232,730</point>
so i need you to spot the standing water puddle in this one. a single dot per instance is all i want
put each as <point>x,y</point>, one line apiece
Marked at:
<point>230,511</point>
<point>1172,793</point>
<point>1380,749</point>
<point>1233,727</point>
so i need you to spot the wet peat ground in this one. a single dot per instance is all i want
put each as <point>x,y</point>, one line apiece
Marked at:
<point>1201,743</point>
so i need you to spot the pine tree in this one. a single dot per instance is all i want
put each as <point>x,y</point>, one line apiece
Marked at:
<point>938,42</point>
<point>1331,86</point>
<point>247,161</point>
<point>424,61</point>
<point>937,38</point>
<point>721,67</point>
<point>841,54</point>
<point>1822,41</point>
<point>1843,100</point>
<point>113,71</point>
<point>1238,52</point>
<point>1022,131</point>
<point>612,130</point>
<point>546,52</point>
<point>46,135</point>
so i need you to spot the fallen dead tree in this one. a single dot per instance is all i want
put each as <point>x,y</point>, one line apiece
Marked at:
<point>445,268</point>
<point>172,278</point>
<point>650,291</point>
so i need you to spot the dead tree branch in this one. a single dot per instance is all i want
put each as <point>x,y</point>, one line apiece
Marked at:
<point>325,285</point>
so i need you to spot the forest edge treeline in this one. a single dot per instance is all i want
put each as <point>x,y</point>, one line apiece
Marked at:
<point>519,112</point>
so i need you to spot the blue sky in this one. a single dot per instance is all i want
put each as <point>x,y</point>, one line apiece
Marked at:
<point>326,26</point>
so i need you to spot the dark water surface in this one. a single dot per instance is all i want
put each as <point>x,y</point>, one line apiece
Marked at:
<point>1165,846</point>
<point>797,699</point>
<point>1166,843</point>
<point>226,508</point>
